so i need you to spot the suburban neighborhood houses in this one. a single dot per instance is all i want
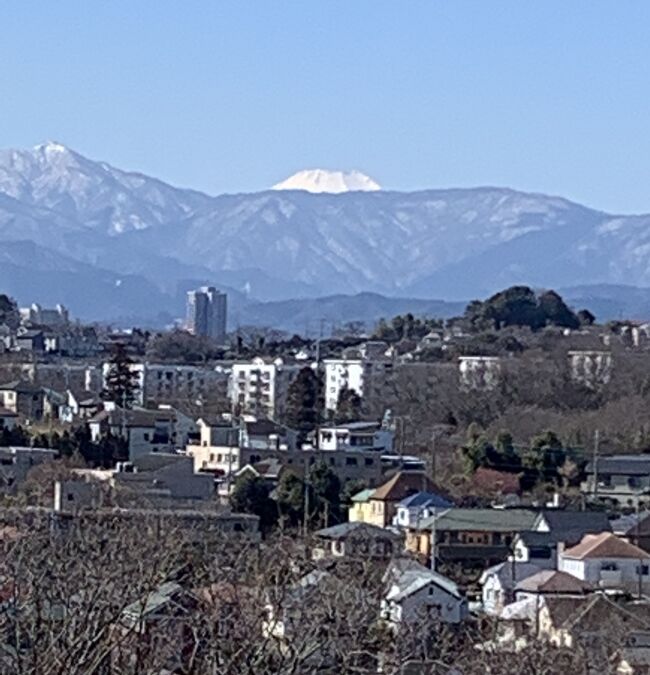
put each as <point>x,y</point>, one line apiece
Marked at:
<point>341,504</point>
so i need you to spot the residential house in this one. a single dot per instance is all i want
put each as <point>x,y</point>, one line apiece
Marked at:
<point>366,465</point>
<point>551,582</point>
<point>16,462</point>
<point>635,655</point>
<point>418,506</point>
<point>285,612</point>
<point>498,584</point>
<point>356,541</point>
<point>619,479</point>
<point>598,623</point>
<point>383,502</point>
<point>471,536</point>
<point>356,436</point>
<point>634,528</point>
<point>32,340</point>
<point>24,398</point>
<point>168,605</point>
<point>360,506</point>
<point>79,405</point>
<point>265,434</point>
<point>417,594</point>
<point>217,450</point>
<point>145,431</point>
<point>260,387</point>
<point>607,561</point>
<point>163,477</point>
<point>553,529</point>
<point>8,419</point>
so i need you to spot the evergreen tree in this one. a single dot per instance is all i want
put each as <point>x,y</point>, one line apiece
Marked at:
<point>290,497</point>
<point>348,406</point>
<point>121,381</point>
<point>325,497</point>
<point>251,495</point>
<point>304,401</point>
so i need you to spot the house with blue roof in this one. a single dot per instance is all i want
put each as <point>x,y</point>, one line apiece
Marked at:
<point>417,507</point>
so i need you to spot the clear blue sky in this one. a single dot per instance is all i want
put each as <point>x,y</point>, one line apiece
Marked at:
<point>551,96</point>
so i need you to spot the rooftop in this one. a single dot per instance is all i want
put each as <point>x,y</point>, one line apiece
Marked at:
<point>412,581</point>
<point>401,485</point>
<point>605,545</point>
<point>357,529</point>
<point>477,520</point>
<point>553,581</point>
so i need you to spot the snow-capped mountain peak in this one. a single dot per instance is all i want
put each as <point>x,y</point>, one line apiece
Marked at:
<point>335,182</point>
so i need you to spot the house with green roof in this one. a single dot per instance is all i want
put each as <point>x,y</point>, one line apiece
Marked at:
<point>471,536</point>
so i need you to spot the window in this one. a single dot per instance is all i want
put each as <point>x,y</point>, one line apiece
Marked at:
<point>643,570</point>
<point>634,482</point>
<point>609,567</point>
<point>212,456</point>
<point>369,461</point>
<point>351,461</point>
<point>145,436</point>
<point>70,497</point>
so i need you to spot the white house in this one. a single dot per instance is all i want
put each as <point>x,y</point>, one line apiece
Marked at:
<point>607,561</point>
<point>356,435</point>
<point>498,584</point>
<point>418,594</point>
<point>416,507</point>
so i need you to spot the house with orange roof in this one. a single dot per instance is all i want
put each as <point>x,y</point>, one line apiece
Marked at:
<point>379,506</point>
<point>607,561</point>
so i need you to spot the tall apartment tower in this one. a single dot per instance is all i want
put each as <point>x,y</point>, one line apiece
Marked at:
<point>206,313</point>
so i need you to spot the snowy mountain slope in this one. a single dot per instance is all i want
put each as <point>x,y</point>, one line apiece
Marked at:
<point>95,194</point>
<point>278,244</point>
<point>333,182</point>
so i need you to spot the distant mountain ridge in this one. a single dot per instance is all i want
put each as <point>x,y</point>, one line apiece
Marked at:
<point>104,226</point>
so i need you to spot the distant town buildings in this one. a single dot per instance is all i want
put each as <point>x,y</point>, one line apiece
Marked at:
<point>206,313</point>
<point>36,315</point>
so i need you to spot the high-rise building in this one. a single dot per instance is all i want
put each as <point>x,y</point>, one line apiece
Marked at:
<point>206,313</point>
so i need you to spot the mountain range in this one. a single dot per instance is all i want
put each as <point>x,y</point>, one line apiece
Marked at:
<point>119,245</point>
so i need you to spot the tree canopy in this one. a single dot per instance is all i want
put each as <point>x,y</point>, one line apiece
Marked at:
<point>121,384</point>
<point>521,306</point>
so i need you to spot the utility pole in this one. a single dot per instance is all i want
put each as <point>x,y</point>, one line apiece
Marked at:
<point>433,542</point>
<point>595,461</point>
<point>305,515</point>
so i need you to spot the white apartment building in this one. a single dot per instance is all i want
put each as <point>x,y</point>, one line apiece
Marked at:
<point>174,383</point>
<point>479,372</point>
<point>592,368</point>
<point>361,370</point>
<point>260,387</point>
